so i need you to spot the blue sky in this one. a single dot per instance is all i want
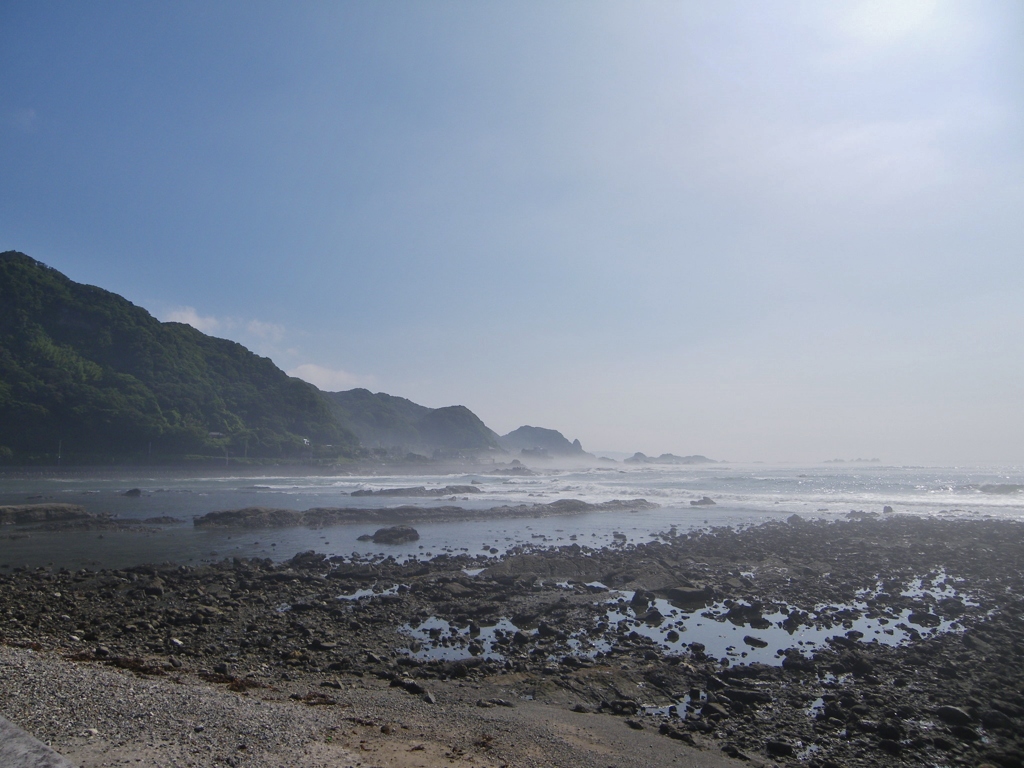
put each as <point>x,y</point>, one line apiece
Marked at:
<point>775,231</point>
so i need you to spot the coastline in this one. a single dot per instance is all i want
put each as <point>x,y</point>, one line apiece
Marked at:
<point>258,631</point>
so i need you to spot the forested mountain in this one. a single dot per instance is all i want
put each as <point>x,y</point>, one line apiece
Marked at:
<point>87,375</point>
<point>86,370</point>
<point>388,422</point>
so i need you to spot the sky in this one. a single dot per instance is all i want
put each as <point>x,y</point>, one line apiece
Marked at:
<point>785,231</point>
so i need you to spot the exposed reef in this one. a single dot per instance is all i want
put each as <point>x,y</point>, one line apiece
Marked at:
<point>264,517</point>
<point>448,490</point>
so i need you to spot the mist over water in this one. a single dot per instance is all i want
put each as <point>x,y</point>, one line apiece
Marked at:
<point>744,495</point>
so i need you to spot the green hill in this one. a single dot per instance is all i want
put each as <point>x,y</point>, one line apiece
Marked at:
<point>84,369</point>
<point>387,422</point>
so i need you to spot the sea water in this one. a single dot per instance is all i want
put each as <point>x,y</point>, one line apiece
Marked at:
<point>743,494</point>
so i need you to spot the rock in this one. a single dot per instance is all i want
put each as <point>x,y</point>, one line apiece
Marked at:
<point>674,733</point>
<point>448,490</point>
<point>133,493</point>
<point>890,746</point>
<point>635,725</point>
<point>887,510</point>
<point>924,619</point>
<point>964,732</point>
<point>703,501</point>
<point>734,752</point>
<point>42,513</point>
<point>778,749</point>
<point>755,642</point>
<point>429,698</point>
<point>890,730</point>
<point>689,597</point>
<point>745,696</point>
<point>993,718</point>
<point>953,715</point>
<point>714,709</point>
<point>396,534</point>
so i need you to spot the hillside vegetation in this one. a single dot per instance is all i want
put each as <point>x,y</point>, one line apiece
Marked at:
<point>383,421</point>
<point>87,377</point>
<point>87,371</point>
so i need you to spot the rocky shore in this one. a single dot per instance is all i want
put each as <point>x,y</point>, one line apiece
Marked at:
<point>318,517</point>
<point>870,641</point>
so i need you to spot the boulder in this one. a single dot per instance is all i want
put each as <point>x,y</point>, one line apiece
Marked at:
<point>689,598</point>
<point>953,715</point>
<point>396,534</point>
<point>42,513</point>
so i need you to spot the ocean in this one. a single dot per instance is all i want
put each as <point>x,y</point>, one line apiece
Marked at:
<point>743,494</point>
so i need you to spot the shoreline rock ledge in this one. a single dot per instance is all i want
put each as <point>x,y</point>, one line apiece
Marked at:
<point>264,517</point>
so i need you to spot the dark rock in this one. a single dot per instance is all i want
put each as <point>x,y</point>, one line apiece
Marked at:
<point>745,696</point>
<point>890,746</point>
<point>396,534</point>
<point>674,733</point>
<point>734,752</point>
<point>778,749</point>
<point>964,732</point>
<point>993,718</point>
<point>755,642</point>
<point>703,501</point>
<point>133,493</point>
<point>924,619</point>
<point>891,730</point>
<point>689,597</point>
<point>42,513</point>
<point>953,715</point>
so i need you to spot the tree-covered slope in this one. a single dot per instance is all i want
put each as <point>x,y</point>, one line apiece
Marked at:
<point>385,421</point>
<point>378,420</point>
<point>85,369</point>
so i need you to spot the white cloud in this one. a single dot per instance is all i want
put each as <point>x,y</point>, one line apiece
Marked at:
<point>328,379</point>
<point>190,316</point>
<point>255,334</point>
<point>266,331</point>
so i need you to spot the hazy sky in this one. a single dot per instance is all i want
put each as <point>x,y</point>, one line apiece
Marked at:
<point>758,231</point>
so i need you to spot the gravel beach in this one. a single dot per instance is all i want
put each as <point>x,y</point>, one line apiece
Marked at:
<point>879,640</point>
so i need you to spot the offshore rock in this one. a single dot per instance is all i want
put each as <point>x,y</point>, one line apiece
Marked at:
<point>42,513</point>
<point>448,490</point>
<point>396,534</point>
<point>264,517</point>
